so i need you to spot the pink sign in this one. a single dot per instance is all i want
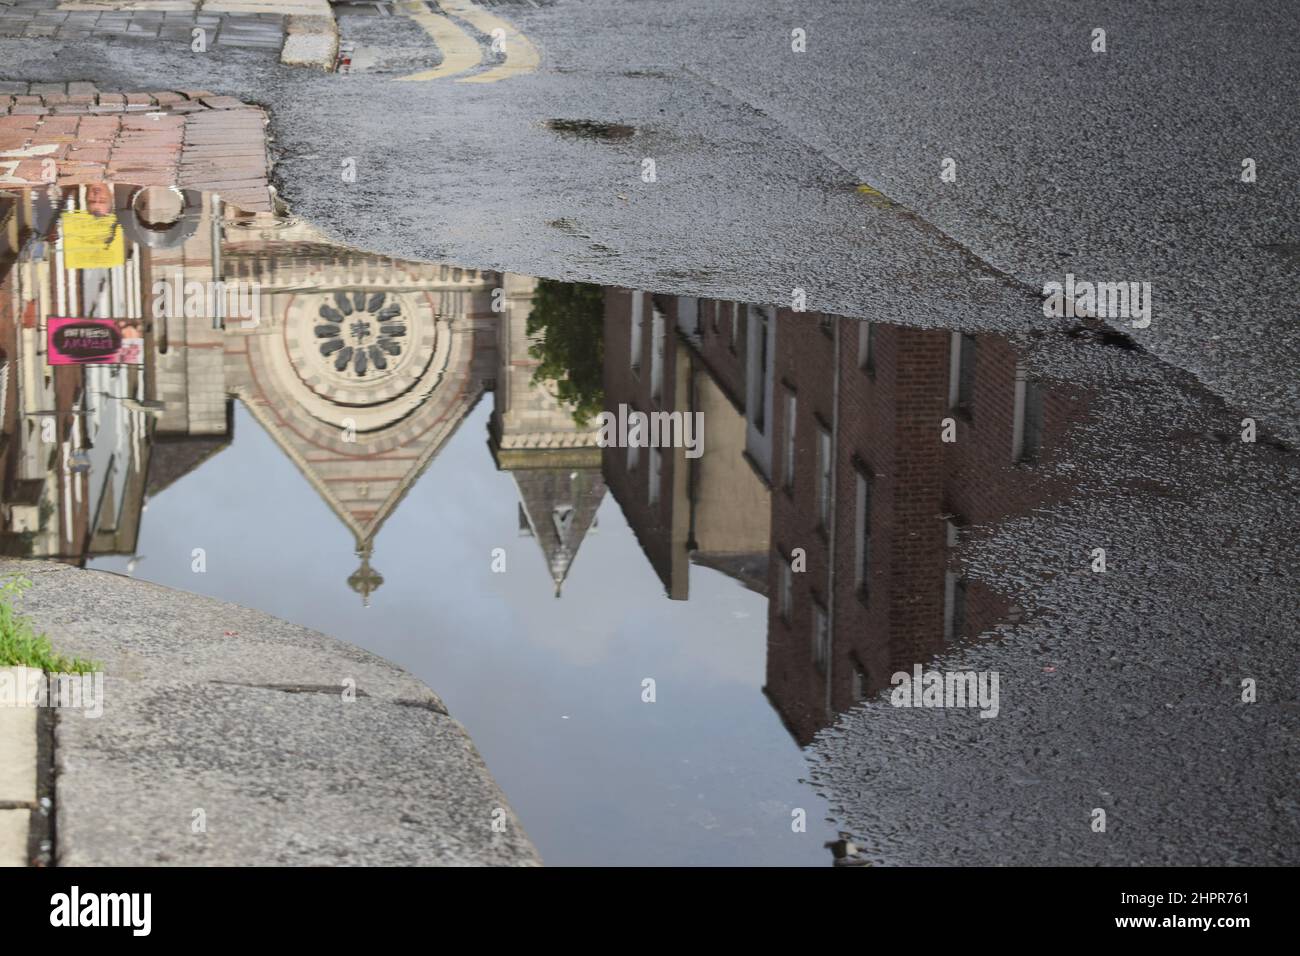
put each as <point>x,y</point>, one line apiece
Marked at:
<point>96,341</point>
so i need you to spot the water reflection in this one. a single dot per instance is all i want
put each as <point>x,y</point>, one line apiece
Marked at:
<point>844,460</point>
<point>358,366</point>
<point>841,462</point>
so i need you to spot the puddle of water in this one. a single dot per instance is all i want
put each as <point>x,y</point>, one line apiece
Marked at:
<point>641,636</point>
<point>590,129</point>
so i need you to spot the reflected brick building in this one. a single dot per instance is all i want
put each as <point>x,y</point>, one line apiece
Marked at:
<point>876,501</point>
<point>824,448</point>
<point>670,354</point>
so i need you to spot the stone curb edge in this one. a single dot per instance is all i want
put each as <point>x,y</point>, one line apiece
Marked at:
<point>310,41</point>
<point>18,763</point>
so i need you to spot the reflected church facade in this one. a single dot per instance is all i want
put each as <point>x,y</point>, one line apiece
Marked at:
<point>359,367</point>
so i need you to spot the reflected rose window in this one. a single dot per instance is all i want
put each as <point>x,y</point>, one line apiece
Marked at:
<point>362,331</point>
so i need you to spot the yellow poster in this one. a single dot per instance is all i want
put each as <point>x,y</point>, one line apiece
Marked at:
<point>92,242</point>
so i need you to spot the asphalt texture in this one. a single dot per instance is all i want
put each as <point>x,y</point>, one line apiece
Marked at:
<point>1122,691</point>
<point>1123,165</point>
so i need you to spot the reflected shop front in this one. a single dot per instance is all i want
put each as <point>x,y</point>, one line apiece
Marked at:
<point>642,638</point>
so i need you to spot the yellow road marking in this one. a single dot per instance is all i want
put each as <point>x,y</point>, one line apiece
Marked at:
<point>875,197</point>
<point>460,52</point>
<point>521,55</point>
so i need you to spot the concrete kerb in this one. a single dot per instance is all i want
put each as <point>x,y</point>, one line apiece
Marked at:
<point>18,750</point>
<point>311,40</point>
<point>226,739</point>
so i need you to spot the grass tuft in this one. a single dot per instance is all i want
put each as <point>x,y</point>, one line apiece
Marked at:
<point>21,646</point>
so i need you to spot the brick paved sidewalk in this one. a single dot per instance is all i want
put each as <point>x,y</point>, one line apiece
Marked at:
<point>251,24</point>
<point>190,138</point>
<point>170,20</point>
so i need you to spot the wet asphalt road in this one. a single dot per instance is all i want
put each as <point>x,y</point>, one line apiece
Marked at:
<point>1117,166</point>
<point>1122,691</point>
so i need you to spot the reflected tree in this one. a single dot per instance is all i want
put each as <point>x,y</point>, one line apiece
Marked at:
<point>567,327</point>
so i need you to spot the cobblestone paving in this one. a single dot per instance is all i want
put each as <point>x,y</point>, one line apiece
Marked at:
<point>44,18</point>
<point>186,138</point>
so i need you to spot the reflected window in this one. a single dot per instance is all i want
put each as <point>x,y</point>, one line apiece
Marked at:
<point>657,334</point>
<point>961,374</point>
<point>954,591</point>
<point>821,636</point>
<point>633,450</point>
<point>1027,419</point>
<point>867,347</point>
<point>759,375</point>
<point>656,474</point>
<point>823,478</point>
<point>785,596</point>
<point>863,508</point>
<point>638,320</point>
<point>787,465</point>
<point>861,686</point>
<point>688,315</point>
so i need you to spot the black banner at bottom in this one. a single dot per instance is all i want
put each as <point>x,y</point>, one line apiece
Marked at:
<point>335,905</point>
